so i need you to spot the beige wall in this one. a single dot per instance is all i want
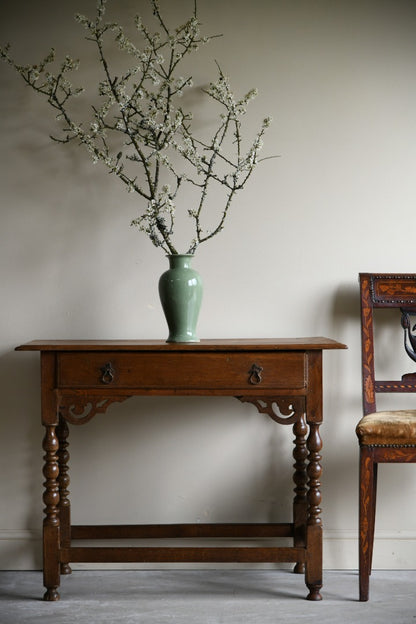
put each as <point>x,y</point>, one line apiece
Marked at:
<point>339,80</point>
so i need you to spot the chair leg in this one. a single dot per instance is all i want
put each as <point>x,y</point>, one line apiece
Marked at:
<point>367,506</point>
<point>373,515</point>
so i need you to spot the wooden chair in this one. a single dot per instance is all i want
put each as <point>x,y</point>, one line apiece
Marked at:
<point>384,436</point>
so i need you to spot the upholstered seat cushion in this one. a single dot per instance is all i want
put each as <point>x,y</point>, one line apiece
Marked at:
<point>395,427</point>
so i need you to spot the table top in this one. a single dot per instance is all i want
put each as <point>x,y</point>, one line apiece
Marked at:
<point>235,344</point>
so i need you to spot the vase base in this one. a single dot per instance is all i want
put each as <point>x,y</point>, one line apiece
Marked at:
<point>182,339</point>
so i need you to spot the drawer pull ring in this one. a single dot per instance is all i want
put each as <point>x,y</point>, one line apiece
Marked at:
<point>255,374</point>
<point>107,373</point>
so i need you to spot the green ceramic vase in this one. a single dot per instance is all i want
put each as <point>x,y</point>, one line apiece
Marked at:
<point>180,291</point>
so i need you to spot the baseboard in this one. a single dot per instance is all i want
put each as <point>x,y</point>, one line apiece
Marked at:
<point>22,550</point>
<point>392,550</point>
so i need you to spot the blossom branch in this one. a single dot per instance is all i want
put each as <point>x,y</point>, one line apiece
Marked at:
<point>140,132</point>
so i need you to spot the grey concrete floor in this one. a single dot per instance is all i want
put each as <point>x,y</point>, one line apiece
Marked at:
<point>206,597</point>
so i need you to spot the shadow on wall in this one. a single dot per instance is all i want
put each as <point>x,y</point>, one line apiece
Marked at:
<point>345,366</point>
<point>346,306</point>
<point>345,326</point>
<point>179,459</point>
<point>342,409</point>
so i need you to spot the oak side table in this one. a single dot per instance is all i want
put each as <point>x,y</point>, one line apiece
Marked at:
<point>280,377</point>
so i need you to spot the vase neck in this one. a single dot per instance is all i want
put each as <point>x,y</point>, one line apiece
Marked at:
<point>182,261</point>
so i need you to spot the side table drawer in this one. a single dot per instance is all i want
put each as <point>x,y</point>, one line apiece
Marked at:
<point>185,370</point>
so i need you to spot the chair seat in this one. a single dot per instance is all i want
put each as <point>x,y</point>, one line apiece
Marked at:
<point>396,427</point>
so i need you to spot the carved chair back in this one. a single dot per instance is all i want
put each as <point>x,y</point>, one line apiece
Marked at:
<point>386,291</point>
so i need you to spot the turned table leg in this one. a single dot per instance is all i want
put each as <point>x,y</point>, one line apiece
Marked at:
<point>314,524</point>
<point>62,432</point>
<point>51,575</point>
<point>300,504</point>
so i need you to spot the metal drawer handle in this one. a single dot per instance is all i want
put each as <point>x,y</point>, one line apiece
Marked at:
<point>107,373</point>
<point>255,374</point>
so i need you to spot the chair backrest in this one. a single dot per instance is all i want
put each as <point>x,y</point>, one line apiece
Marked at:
<point>386,291</point>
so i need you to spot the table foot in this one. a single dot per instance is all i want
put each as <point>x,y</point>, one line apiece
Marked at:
<point>299,568</point>
<point>314,593</point>
<point>66,568</point>
<point>51,595</point>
